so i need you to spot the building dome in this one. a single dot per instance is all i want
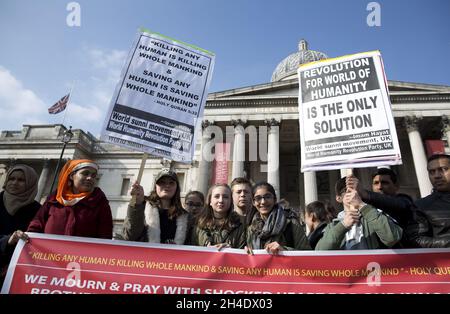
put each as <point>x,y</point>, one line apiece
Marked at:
<point>287,69</point>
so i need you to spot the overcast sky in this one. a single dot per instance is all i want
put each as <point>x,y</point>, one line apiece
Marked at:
<point>40,55</point>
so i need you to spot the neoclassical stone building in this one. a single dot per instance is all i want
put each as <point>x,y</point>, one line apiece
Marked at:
<point>260,123</point>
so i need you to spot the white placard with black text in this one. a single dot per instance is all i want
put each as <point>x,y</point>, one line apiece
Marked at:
<point>159,101</point>
<point>345,114</point>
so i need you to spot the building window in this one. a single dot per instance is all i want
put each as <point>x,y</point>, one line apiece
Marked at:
<point>125,186</point>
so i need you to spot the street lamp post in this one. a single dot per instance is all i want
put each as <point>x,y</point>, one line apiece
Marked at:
<point>67,136</point>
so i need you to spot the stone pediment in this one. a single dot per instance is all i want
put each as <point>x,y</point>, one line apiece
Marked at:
<point>399,86</point>
<point>289,89</point>
<point>266,90</point>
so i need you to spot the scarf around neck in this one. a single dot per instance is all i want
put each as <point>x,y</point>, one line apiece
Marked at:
<point>354,235</point>
<point>273,226</point>
<point>64,193</point>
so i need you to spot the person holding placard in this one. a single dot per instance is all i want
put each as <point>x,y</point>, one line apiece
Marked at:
<point>359,226</point>
<point>385,196</point>
<point>160,217</point>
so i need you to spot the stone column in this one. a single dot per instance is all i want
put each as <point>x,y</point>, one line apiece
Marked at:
<point>238,148</point>
<point>43,180</point>
<point>310,187</point>
<point>204,164</point>
<point>333,177</point>
<point>418,154</point>
<point>446,128</point>
<point>273,155</point>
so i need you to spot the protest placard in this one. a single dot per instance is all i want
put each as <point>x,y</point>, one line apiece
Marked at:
<point>345,114</point>
<point>159,100</point>
<point>52,264</point>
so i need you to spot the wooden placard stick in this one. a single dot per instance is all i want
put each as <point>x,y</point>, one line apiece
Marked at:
<point>139,177</point>
<point>346,172</point>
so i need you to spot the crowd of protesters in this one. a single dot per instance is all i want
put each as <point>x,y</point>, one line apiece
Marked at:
<point>241,215</point>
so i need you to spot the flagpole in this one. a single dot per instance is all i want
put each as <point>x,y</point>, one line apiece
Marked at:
<point>68,100</point>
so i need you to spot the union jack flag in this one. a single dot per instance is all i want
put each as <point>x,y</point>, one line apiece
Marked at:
<point>60,105</point>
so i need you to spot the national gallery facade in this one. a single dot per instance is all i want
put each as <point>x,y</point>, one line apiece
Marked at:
<point>258,126</point>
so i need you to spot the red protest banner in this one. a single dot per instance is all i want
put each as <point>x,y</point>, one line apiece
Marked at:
<point>60,264</point>
<point>221,172</point>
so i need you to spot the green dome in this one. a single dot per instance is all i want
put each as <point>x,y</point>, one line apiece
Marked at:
<point>287,69</point>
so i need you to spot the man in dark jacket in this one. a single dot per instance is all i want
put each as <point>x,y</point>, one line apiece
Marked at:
<point>431,225</point>
<point>359,226</point>
<point>384,195</point>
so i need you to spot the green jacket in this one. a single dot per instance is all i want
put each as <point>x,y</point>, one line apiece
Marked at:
<point>379,231</point>
<point>292,236</point>
<point>234,237</point>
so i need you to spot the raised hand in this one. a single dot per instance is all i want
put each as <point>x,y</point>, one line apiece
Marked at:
<point>138,190</point>
<point>353,183</point>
